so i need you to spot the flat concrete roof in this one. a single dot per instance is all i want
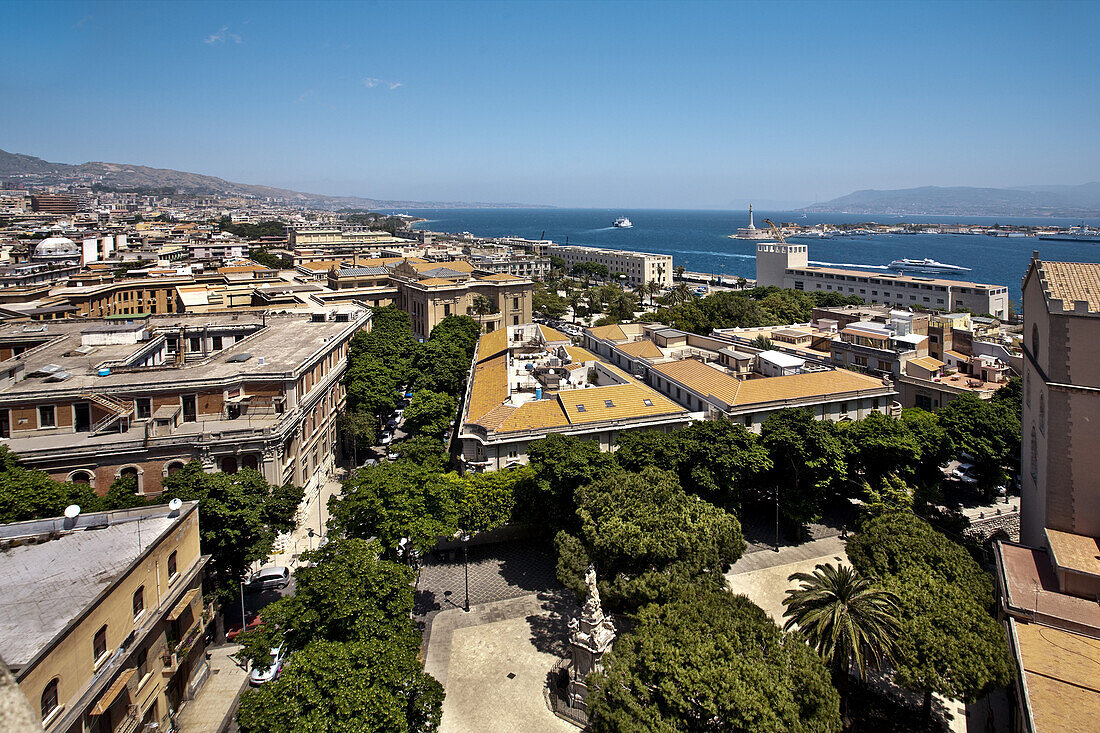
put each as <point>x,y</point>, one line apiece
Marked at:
<point>45,586</point>
<point>1076,552</point>
<point>284,344</point>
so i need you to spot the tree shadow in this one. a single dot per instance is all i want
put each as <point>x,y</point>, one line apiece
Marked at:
<point>550,628</point>
<point>527,565</point>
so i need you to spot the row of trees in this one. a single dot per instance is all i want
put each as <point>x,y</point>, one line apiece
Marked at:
<point>353,649</point>
<point>240,514</point>
<point>744,308</point>
<point>388,357</point>
<point>270,228</point>
<point>618,304</point>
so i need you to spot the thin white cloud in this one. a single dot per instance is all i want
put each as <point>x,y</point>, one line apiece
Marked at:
<point>372,82</point>
<point>80,23</point>
<point>222,36</point>
<point>305,95</point>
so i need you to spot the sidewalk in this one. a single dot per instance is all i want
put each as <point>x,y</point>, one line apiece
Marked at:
<point>299,540</point>
<point>214,706</point>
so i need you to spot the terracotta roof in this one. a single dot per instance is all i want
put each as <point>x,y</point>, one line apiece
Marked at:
<point>500,277</point>
<point>611,333</point>
<point>626,401</point>
<point>490,387</point>
<point>1071,281</point>
<point>576,353</point>
<point>957,354</point>
<point>927,362</point>
<point>704,379</point>
<point>537,415</point>
<point>457,265</point>
<point>432,282</point>
<point>1074,552</point>
<point>492,343</point>
<point>551,334</point>
<point>320,265</point>
<point>801,386</point>
<point>644,349</point>
<point>1061,675</point>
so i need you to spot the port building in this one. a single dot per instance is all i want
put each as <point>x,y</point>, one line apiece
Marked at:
<point>639,267</point>
<point>786,265</point>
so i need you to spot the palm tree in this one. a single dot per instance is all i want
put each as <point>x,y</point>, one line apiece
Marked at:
<point>679,294</point>
<point>648,290</point>
<point>576,299</point>
<point>846,618</point>
<point>482,306</point>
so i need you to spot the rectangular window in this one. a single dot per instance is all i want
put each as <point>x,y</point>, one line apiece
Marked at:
<point>142,663</point>
<point>608,403</point>
<point>144,406</point>
<point>195,344</point>
<point>172,571</point>
<point>515,303</point>
<point>648,403</point>
<point>580,408</point>
<point>99,644</point>
<point>46,416</point>
<point>446,309</point>
<point>217,343</point>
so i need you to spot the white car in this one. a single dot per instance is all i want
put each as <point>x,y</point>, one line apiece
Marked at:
<point>387,438</point>
<point>259,676</point>
<point>964,473</point>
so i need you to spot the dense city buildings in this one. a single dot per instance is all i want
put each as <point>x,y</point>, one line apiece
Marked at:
<point>93,400</point>
<point>102,617</point>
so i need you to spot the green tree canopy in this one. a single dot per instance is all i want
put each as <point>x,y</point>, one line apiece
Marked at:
<point>462,331</point>
<point>808,461</point>
<point>240,515</point>
<point>989,430</point>
<point>711,661</point>
<point>949,641</point>
<point>647,536</point>
<point>882,445</point>
<point>397,500</point>
<point>430,413</point>
<point>27,493</point>
<point>562,465</point>
<point>329,687</point>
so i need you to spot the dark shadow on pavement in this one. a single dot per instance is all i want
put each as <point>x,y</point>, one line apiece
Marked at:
<point>550,629</point>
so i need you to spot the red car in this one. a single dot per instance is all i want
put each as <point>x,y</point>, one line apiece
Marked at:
<point>234,630</point>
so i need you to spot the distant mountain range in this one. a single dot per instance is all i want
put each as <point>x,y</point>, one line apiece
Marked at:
<point>20,171</point>
<point>1061,201</point>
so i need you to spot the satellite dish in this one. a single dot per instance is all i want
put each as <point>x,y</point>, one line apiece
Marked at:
<point>175,504</point>
<point>72,511</point>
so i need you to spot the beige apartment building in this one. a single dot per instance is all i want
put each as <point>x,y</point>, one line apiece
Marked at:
<point>93,400</point>
<point>639,267</point>
<point>1060,465</point>
<point>102,617</point>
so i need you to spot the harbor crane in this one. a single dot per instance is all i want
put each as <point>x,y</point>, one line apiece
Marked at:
<point>776,231</point>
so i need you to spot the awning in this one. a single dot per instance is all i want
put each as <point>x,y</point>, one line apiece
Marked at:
<point>183,604</point>
<point>113,691</point>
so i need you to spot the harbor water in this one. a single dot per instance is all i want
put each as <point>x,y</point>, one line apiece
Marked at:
<point>699,240</point>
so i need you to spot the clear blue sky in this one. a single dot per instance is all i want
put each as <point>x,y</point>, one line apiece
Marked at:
<point>705,105</point>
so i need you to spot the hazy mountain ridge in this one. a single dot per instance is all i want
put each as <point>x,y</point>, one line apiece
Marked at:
<point>1062,201</point>
<point>18,170</point>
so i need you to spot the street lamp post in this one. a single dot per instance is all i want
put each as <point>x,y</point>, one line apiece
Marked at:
<point>777,519</point>
<point>464,537</point>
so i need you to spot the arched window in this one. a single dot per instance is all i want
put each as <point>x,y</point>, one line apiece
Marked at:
<point>173,467</point>
<point>229,464</point>
<point>128,472</point>
<point>250,460</point>
<point>49,698</point>
<point>139,601</point>
<point>81,477</point>
<point>1035,340</point>
<point>1034,456</point>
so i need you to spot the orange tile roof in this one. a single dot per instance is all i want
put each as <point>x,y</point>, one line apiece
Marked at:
<point>321,265</point>
<point>930,363</point>
<point>704,379</point>
<point>551,335</point>
<point>800,386</point>
<point>1060,674</point>
<point>432,282</point>
<point>627,401</point>
<point>492,344</point>
<point>610,333</point>
<point>457,265</point>
<point>1075,551</point>
<point>644,349</point>
<point>576,353</point>
<point>1071,281</point>
<point>490,387</point>
<point>537,415</point>
<point>241,268</point>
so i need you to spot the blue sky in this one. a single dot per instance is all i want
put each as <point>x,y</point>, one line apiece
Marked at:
<point>704,105</point>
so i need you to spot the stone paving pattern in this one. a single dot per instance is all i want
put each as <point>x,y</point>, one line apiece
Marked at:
<point>213,706</point>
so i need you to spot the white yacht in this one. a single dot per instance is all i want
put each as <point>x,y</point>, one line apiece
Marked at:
<point>622,223</point>
<point>925,265</point>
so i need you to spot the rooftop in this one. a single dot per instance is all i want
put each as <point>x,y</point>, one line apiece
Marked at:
<point>44,586</point>
<point>1061,673</point>
<point>1070,282</point>
<point>1030,587</point>
<point>1076,552</point>
<point>907,279</point>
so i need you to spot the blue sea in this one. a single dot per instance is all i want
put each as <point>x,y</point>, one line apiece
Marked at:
<point>699,241</point>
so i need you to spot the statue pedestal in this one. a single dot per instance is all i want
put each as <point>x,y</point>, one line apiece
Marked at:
<point>593,634</point>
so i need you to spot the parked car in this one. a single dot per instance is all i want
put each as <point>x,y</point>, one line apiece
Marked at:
<point>964,473</point>
<point>392,456</point>
<point>273,576</point>
<point>259,675</point>
<point>235,630</point>
<point>387,437</point>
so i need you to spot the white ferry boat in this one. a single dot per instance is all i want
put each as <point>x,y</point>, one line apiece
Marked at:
<point>622,223</point>
<point>925,265</point>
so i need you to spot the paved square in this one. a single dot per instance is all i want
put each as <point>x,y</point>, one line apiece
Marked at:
<point>493,663</point>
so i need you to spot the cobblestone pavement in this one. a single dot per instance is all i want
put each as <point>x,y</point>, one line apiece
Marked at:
<point>758,526</point>
<point>497,572</point>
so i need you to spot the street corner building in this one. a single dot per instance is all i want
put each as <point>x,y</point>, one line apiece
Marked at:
<point>102,618</point>
<point>95,400</point>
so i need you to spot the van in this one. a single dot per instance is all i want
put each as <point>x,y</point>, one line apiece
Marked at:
<point>274,576</point>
